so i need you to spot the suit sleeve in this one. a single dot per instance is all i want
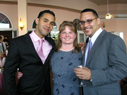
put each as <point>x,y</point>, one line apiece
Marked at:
<point>10,69</point>
<point>117,61</point>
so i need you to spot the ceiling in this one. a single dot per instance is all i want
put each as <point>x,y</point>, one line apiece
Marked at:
<point>104,2</point>
<point>98,2</point>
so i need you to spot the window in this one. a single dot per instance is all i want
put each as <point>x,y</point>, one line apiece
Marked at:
<point>4,21</point>
<point>81,36</point>
<point>120,34</point>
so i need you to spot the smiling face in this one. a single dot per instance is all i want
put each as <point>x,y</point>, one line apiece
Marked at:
<point>67,36</point>
<point>89,28</point>
<point>44,24</point>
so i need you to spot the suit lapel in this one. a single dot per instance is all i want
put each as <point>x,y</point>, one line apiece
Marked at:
<point>52,43</point>
<point>95,46</point>
<point>30,45</point>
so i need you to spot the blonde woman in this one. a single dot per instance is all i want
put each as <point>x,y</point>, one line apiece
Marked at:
<point>65,59</point>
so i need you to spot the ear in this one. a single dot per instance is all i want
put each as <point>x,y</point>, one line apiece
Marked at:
<point>36,20</point>
<point>98,20</point>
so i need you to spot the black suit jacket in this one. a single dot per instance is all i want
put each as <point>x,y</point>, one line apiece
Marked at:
<point>36,76</point>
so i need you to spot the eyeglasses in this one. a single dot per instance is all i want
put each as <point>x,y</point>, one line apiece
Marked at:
<point>88,21</point>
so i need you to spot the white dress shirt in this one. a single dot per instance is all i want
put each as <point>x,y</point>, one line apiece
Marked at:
<point>93,39</point>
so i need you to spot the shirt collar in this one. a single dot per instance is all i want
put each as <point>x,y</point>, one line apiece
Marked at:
<point>35,37</point>
<point>96,34</point>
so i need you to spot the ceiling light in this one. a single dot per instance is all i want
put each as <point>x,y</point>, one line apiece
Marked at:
<point>108,15</point>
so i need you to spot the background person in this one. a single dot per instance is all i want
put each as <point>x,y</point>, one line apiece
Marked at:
<point>2,55</point>
<point>2,45</point>
<point>107,61</point>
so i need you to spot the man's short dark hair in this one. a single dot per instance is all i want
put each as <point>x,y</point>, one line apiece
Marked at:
<point>90,10</point>
<point>46,11</point>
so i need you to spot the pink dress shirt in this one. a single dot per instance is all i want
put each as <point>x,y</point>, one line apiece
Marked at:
<point>46,46</point>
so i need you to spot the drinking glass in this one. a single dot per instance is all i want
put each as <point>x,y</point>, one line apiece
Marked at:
<point>81,84</point>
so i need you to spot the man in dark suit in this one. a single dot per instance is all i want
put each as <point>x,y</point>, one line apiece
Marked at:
<point>23,54</point>
<point>2,45</point>
<point>106,62</point>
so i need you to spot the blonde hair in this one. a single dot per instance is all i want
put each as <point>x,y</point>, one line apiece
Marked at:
<point>72,28</point>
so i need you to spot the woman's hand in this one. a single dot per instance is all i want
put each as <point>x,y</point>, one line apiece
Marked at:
<point>19,75</point>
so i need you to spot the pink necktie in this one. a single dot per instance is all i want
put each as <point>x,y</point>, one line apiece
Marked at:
<point>40,51</point>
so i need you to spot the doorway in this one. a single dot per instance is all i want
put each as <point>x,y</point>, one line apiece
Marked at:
<point>7,33</point>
